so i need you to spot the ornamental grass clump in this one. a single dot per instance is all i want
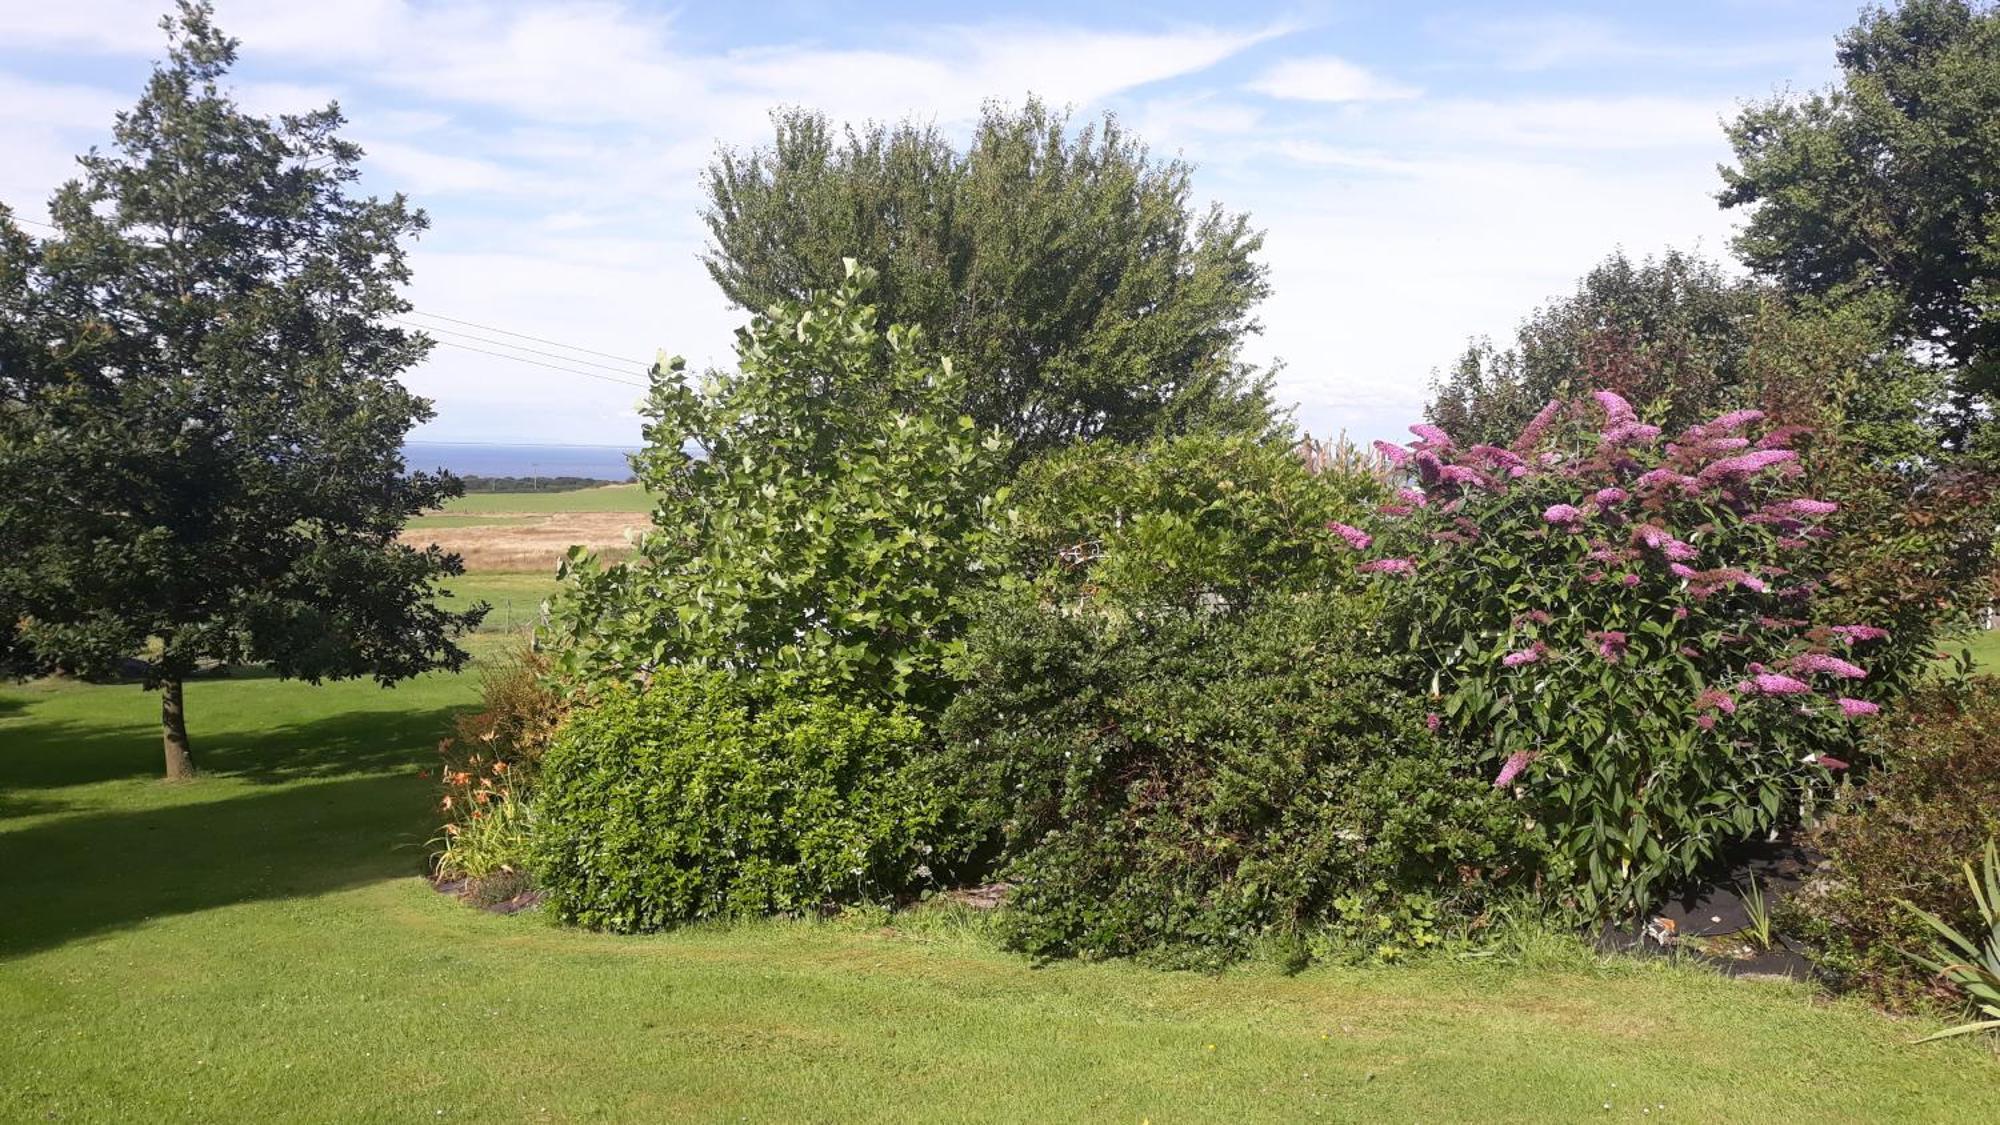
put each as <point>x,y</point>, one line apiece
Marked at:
<point>1619,624</point>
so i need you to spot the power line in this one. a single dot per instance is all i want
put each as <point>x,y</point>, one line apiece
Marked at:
<point>539,363</point>
<point>567,359</point>
<point>624,368</point>
<point>519,335</point>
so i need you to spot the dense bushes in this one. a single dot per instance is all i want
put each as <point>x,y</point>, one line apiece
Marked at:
<point>486,777</point>
<point>1182,784</point>
<point>1904,836</point>
<point>1180,718</point>
<point>709,795</point>
<point>1622,629</point>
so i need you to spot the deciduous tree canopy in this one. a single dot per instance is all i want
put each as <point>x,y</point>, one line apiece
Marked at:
<point>1065,272</point>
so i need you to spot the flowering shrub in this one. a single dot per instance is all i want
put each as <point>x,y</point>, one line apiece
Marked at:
<point>1615,622</point>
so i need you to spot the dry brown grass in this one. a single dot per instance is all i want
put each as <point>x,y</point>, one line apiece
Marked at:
<point>534,544</point>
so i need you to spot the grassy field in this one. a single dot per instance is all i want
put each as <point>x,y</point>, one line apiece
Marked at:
<point>260,945</point>
<point>515,598</point>
<point>609,498</point>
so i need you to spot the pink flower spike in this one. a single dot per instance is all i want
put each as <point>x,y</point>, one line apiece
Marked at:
<point>1610,645</point>
<point>1388,566</point>
<point>1771,683</point>
<point>1529,655</point>
<point>1831,762</point>
<point>1745,464</point>
<point>1511,769</point>
<point>1531,434</point>
<point>1412,496</point>
<point>1734,420</point>
<point>1432,720</point>
<point>1854,633</point>
<point>1627,433</point>
<point>1615,407</point>
<point>1629,581</point>
<point>1822,663</point>
<point>1605,497</point>
<point>1855,708</point>
<point>1561,513</point>
<point>1356,538</point>
<point>1394,454</point>
<point>1432,435</point>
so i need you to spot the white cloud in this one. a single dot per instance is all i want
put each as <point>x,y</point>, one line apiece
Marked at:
<point>1328,79</point>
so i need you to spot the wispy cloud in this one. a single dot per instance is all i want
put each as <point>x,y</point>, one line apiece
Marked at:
<point>1327,79</point>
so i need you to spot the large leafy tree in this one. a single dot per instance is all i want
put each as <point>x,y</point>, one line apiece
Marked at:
<point>1890,182</point>
<point>1081,293</point>
<point>200,421</point>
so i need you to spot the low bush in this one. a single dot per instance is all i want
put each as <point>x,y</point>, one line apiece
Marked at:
<point>1903,837</point>
<point>707,795</point>
<point>1185,786</point>
<point>486,777</point>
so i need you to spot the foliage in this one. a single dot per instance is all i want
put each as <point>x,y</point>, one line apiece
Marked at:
<point>1686,342</point>
<point>818,513</point>
<point>1181,785</point>
<point>1888,181</point>
<point>487,775</point>
<point>707,796</point>
<point>1066,271</point>
<point>1970,964</point>
<point>1902,837</point>
<point>1623,632</point>
<point>200,417</point>
<point>1202,520</point>
<point>1185,732</point>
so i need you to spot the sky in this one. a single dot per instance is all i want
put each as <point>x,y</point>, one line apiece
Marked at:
<point>1424,173</point>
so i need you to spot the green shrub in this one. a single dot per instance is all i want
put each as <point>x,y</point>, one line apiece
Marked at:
<point>1186,785</point>
<point>1904,837</point>
<point>818,512</point>
<point>710,796</point>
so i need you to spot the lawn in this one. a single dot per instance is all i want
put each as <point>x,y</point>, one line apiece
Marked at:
<point>260,944</point>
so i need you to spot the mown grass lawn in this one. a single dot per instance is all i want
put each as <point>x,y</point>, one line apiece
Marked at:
<point>260,945</point>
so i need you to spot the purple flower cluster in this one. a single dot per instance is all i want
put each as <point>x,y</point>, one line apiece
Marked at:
<point>1356,538</point>
<point>1855,633</point>
<point>1773,683</point>
<point>1512,767</point>
<point>1820,663</point>
<point>1530,655</point>
<point>1388,566</point>
<point>1565,514</point>
<point>1855,708</point>
<point>1610,644</point>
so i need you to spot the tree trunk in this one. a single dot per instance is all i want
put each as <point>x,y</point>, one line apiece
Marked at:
<point>174,732</point>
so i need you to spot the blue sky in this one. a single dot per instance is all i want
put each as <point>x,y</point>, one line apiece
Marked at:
<point>1424,173</point>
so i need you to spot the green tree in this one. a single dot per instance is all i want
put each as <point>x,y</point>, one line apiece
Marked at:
<point>200,421</point>
<point>1686,341</point>
<point>820,511</point>
<point>1066,272</point>
<point>1889,181</point>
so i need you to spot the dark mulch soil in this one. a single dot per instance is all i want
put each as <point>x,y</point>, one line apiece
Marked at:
<point>1709,920</point>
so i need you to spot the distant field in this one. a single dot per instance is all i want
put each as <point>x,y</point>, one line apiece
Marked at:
<point>609,498</point>
<point>516,598</point>
<point>527,532</point>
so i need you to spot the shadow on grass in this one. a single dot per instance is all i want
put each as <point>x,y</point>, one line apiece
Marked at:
<point>77,876</point>
<point>50,754</point>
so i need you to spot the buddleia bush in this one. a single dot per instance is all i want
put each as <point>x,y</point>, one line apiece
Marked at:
<point>1621,626</point>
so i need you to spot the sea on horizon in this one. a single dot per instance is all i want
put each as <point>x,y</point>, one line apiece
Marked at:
<point>501,459</point>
